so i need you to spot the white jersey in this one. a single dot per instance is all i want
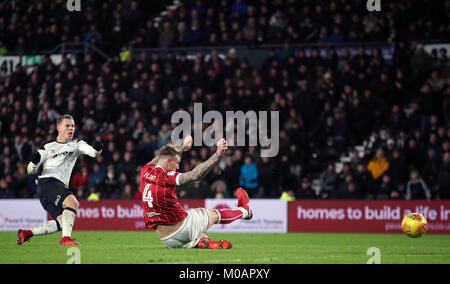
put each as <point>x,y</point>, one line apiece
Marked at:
<point>59,158</point>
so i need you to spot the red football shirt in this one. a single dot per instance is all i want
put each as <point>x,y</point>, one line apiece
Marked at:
<point>159,197</point>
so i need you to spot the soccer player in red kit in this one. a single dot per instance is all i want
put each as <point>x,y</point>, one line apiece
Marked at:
<point>176,227</point>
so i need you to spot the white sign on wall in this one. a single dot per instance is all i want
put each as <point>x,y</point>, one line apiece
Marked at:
<point>8,64</point>
<point>439,51</point>
<point>269,216</point>
<point>21,214</point>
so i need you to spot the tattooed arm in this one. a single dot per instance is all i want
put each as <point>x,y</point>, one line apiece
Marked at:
<point>203,169</point>
<point>199,171</point>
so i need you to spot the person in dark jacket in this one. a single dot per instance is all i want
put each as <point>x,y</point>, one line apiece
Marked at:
<point>385,189</point>
<point>443,179</point>
<point>328,181</point>
<point>349,190</point>
<point>365,181</point>
<point>266,177</point>
<point>416,189</point>
<point>305,191</point>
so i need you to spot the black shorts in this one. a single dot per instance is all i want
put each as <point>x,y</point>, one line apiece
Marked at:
<point>52,193</point>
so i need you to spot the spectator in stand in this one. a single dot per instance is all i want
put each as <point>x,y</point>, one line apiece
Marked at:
<point>414,154</point>
<point>386,190</point>
<point>195,190</point>
<point>430,169</point>
<point>288,195</point>
<point>355,160</point>
<point>266,177</point>
<point>347,189</point>
<point>378,165</point>
<point>219,190</point>
<point>239,6</point>
<point>20,176</point>
<point>328,181</point>
<point>398,170</point>
<point>231,172</point>
<point>305,191</point>
<point>109,185</point>
<point>416,187</point>
<point>47,115</point>
<point>6,188</point>
<point>81,179</point>
<point>97,175</point>
<point>127,192</point>
<point>351,192</point>
<point>249,176</point>
<point>443,178</point>
<point>364,179</point>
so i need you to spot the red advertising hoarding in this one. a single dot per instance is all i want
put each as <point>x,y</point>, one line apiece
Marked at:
<point>117,214</point>
<point>364,216</point>
<point>303,215</point>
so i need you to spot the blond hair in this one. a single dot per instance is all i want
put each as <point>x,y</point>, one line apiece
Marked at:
<point>62,117</point>
<point>169,151</point>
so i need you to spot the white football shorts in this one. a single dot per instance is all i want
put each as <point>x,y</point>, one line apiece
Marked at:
<point>188,235</point>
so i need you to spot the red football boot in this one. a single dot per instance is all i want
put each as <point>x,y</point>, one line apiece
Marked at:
<point>23,236</point>
<point>214,245</point>
<point>68,241</point>
<point>244,202</point>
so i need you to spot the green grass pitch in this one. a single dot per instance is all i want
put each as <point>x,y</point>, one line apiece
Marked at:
<point>292,248</point>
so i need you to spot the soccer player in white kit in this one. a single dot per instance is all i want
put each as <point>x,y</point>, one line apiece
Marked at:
<point>58,158</point>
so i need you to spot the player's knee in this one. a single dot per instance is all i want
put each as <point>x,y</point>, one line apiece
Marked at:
<point>72,202</point>
<point>76,205</point>
<point>213,217</point>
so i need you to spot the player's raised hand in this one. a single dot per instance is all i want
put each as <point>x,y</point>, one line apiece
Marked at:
<point>222,146</point>
<point>98,145</point>
<point>187,143</point>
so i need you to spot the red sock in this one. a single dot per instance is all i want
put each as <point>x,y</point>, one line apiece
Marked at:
<point>227,216</point>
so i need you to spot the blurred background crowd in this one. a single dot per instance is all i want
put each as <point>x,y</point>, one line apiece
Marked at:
<point>398,111</point>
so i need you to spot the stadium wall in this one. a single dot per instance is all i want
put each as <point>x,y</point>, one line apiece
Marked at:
<point>21,213</point>
<point>365,216</point>
<point>271,215</point>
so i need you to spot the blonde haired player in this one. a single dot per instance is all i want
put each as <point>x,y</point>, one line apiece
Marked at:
<point>176,227</point>
<point>58,158</point>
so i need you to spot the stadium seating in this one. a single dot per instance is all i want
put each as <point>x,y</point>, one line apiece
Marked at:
<point>346,83</point>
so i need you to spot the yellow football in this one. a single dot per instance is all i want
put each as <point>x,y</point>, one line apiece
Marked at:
<point>414,225</point>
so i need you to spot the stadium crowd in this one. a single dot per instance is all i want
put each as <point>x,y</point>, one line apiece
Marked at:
<point>112,24</point>
<point>399,111</point>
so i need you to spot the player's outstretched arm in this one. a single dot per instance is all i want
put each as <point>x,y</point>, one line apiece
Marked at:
<point>35,162</point>
<point>203,169</point>
<point>92,151</point>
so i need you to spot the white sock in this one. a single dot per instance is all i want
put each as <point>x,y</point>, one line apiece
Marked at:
<point>68,219</point>
<point>244,211</point>
<point>46,228</point>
